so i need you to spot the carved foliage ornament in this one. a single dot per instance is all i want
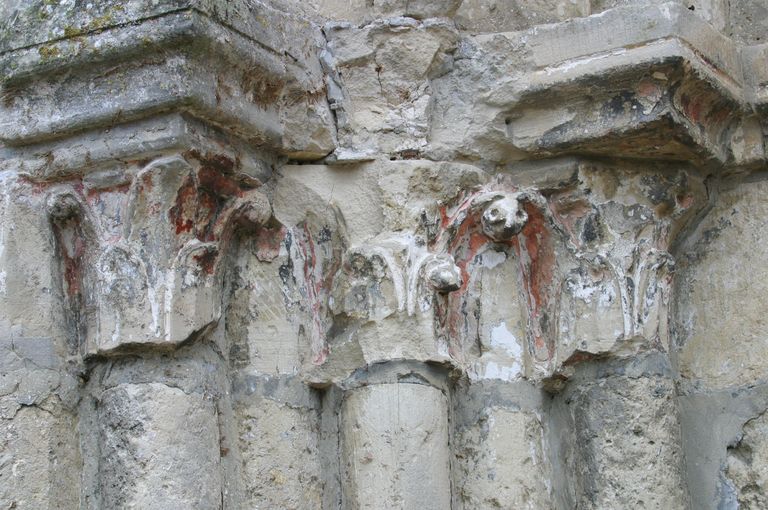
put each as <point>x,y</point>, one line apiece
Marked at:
<point>591,252</point>
<point>141,254</point>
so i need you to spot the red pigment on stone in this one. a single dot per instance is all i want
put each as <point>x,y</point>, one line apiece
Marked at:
<point>183,211</point>
<point>268,242</point>
<point>537,260</point>
<point>207,261</point>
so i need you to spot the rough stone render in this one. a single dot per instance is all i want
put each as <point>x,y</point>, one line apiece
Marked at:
<point>383,254</point>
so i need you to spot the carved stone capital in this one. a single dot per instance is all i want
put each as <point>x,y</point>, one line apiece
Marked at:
<point>395,273</point>
<point>590,245</point>
<point>141,252</point>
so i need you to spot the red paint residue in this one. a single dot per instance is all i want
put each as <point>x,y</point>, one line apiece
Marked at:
<point>536,253</point>
<point>466,242</point>
<point>200,209</point>
<point>462,237</point>
<point>568,212</point>
<point>207,260</point>
<point>208,210</point>
<point>692,107</point>
<point>455,220</point>
<point>647,88</point>
<point>37,187</point>
<point>183,212</point>
<point>217,162</point>
<point>72,268</point>
<point>443,217</point>
<point>684,201</point>
<point>218,183</point>
<point>268,242</point>
<point>72,249</point>
<point>718,115</point>
<point>93,194</point>
<point>314,291</point>
<point>579,357</point>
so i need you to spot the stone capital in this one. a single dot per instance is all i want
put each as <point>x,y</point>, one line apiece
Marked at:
<point>141,250</point>
<point>590,244</point>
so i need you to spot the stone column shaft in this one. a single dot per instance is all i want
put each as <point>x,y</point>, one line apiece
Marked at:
<point>394,437</point>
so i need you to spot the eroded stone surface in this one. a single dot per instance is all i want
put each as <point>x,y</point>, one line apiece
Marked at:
<point>746,470</point>
<point>281,462</point>
<point>499,447</point>
<point>394,447</point>
<point>719,312</point>
<point>625,449</point>
<point>142,428</point>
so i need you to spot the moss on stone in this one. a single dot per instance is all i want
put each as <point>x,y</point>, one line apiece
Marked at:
<point>48,52</point>
<point>70,31</point>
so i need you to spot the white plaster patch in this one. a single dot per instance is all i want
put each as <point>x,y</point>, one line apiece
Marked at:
<point>493,258</point>
<point>583,292</point>
<point>503,338</point>
<point>494,370</point>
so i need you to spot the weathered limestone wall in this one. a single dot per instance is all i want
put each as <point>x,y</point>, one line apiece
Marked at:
<point>383,254</point>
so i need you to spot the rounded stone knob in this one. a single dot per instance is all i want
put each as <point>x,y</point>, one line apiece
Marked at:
<point>503,219</point>
<point>443,275</point>
<point>62,207</point>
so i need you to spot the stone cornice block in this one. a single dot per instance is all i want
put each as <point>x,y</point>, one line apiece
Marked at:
<point>244,67</point>
<point>660,82</point>
<point>97,150</point>
<point>647,82</point>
